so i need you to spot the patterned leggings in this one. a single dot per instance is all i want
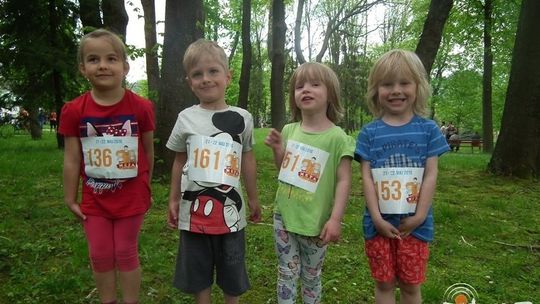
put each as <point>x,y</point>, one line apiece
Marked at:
<point>298,256</point>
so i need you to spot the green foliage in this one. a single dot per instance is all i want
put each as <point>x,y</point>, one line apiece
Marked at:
<point>486,234</point>
<point>29,58</point>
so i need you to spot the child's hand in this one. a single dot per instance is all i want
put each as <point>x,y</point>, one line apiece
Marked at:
<point>76,210</point>
<point>331,231</point>
<point>273,139</point>
<point>386,229</point>
<point>255,211</point>
<point>408,224</point>
<point>172,217</point>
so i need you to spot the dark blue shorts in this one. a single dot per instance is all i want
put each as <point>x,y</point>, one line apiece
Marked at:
<point>199,255</point>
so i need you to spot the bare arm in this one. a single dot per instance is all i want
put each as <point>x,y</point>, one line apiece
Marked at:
<point>332,229</point>
<point>249,173</point>
<point>383,227</point>
<point>275,141</point>
<point>427,191</point>
<point>72,171</point>
<point>175,193</point>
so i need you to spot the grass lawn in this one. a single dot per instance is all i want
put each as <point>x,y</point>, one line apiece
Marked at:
<point>487,234</point>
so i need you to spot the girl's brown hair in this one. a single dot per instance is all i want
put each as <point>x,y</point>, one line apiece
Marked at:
<point>314,71</point>
<point>117,43</point>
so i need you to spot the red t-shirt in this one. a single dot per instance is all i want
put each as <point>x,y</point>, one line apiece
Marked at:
<point>132,116</point>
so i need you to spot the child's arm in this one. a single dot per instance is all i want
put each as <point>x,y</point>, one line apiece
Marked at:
<point>275,141</point>
<point>383,227</point>
<point>427,191</point>
<point>72,170</point>
<point>175,193</point>
<point>148,145</point>
<point>249,173</point>
<point>332,229</point>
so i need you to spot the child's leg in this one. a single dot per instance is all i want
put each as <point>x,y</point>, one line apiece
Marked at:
<point>99,234</point>
<point>385,292</point>
<point>381,254</point>
<point>412,258</point>
<point>231,299</point>
<point>410,293</point>
<point>288,253</point>
<point>204,296</point>
<point>312,253</point>
<point>126,234</point>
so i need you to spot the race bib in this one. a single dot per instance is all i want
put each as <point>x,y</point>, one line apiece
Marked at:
<point>214,160</point>
<point>302,165</point>
<point>397,189</point>
<point>111,157</point>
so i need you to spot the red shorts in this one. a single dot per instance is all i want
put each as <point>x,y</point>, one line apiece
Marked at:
<point>405,259</point>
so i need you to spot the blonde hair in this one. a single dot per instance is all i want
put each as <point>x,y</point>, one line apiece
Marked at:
<point>117,43</point>
<point>201,47</point>
<point>390,65</point>
<point>314,71</point>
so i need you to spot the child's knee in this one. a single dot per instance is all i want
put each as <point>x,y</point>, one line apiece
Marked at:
<point>286,274</point>
<point>127,258</point>
<point>102,263</point>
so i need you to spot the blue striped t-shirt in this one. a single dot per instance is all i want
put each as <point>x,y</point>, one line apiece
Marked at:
<point>409,145</point>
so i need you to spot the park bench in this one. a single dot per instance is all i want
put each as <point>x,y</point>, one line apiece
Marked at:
<point>473,143</point>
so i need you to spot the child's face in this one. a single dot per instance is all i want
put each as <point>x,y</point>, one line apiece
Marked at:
<point>102,65</point>
<point>208,80</point>
<point>311,96</point>
<point>397,96</point>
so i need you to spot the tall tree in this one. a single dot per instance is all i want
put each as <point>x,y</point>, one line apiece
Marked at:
<point>517,152</point>
<point>246,54</point>
<point>110,14</point>
<point>432,33</point>
<point>298,32</point>
<point>151,48</point>
<point>184,23</point>
<point>487,116</point>
<point>277,57</point>
<point>37,66</point>
<point>115,16</point>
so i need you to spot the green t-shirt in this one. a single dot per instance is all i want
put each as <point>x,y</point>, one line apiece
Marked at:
<point>304,212</point>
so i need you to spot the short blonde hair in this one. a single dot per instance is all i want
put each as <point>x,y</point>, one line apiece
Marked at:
<point>390,65</point>
<point>200,48</point>
<point>314,71</point>
<point>117,43</point>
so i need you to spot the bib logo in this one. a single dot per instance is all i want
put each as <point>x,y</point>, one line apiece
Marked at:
<point>232,166</point>
<point>460,293</point>
<point>311,170</point>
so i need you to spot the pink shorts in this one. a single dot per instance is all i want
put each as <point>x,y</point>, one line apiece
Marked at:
<point>404,259</point>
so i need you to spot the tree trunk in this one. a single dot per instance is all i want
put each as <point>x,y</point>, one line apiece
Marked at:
<point>90,13</point>
<point>56,77</point>
<point>278,64</point>
<point>115,17</point>
<point>184,23</point>
<point>517,151</point>
<point>487,116</point>
<point>246,55</point>
<point>150,37</point>
<point>432,33</point>
<point>298,33</point>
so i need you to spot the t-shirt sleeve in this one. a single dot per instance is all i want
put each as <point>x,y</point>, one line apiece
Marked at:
<point>147,122</point>
<point>361,151</point>
<point>176,141</point>
<point>69,122</point>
